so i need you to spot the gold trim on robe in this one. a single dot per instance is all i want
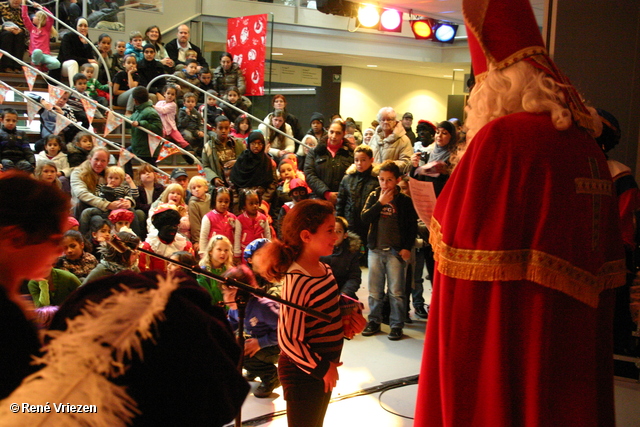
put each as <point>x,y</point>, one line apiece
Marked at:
<point>526,264</point>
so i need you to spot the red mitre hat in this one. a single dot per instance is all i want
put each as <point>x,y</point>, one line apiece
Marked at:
<point>503,32</point>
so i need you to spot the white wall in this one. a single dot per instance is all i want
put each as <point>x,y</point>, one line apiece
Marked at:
<point>364,92</point>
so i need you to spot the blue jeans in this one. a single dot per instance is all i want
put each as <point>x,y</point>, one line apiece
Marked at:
<point>418,279</point>
<point>386,265</point>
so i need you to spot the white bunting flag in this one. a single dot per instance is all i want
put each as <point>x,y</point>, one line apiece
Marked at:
<point>61,123</point>
<point>32,110</point>
<point>113,122</point>
<point>55,93</point>
<point>30,75</point>
<point>125,156</point>
<point>3,93</point>
<point>89,108</point>
<point>154,141</point>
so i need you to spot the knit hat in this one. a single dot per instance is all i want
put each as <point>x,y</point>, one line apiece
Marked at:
<point>449,127</point>
<point>317,116</point>
<point>118,215</point>
<point>72,222</point>
<point>504,32</point>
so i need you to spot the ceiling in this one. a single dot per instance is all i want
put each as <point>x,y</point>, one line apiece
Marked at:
<point>450,10</point>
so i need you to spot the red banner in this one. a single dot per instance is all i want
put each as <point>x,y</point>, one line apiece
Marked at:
<point>247,41</point>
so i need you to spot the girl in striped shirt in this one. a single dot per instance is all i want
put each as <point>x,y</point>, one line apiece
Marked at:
<point>310,348</point>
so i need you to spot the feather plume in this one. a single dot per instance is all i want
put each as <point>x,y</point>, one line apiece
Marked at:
<point>78,362</point>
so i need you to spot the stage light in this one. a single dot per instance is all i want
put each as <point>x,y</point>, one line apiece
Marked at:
<point>391,20</point>
<point>368,16</point>
<point>422,29</point>
<point>445,33</point>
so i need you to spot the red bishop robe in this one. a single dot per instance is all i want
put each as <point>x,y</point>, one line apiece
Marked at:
<point>527,247</point>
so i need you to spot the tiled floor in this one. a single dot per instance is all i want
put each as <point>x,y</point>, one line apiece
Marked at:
<point>376,361</point>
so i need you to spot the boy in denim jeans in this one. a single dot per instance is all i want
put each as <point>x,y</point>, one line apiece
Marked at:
<point>392,224</point>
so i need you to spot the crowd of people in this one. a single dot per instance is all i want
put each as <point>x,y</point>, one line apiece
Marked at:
<point>298,220</point>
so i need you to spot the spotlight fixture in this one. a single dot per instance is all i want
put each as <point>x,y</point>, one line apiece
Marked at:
<point>368,16</point>
<point>445,32</point>
<point>391,20</point>
<point>422,28</point>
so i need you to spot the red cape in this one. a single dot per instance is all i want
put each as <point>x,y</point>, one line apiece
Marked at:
<point>526,239</point>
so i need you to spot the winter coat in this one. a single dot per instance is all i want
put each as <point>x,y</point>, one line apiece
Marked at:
<point>355,187</point>
<point>76,155</point>
<point>211,161</point>
<point>325,172</point>
<point>148,70</point>
<point>396,147</point>
<point>233,77</point>
<point>191,121</point>
<point>148,118</point>
<point>72,48</point>
<point>345,264</point>
<point>14,146</point>
<point>407,219</point>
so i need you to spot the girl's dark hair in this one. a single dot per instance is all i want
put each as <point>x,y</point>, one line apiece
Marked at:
<point>78,237</point>
<point>227,54</point>
<point>215,192</point>
<point>245,193</point>
<point>102,36</point>
<point>186,258</point>
<point>169,86</point>
<point>63,146</point>
<point>308,215</point>
<point>96,223</point>
<point>37,208</point>
<point>234,89</point>
<point>241,118</point>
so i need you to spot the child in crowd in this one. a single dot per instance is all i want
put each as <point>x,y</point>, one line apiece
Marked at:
<point>261,326</point>
<point>218,221</point>
<point>309,142</point>
<point>115,188</point>
<point>220,153</point>
<point>47,171</point>
<point>121,47</point>
<point>190,123</point>
<point>345,259</point>
<point>359,181</point>
<point>163,238</point>
<point>310,348</point>
<point>206,83</point>
<point>241,127</point>
<point>298,191</point>
<point>40,32</point>
<point>173,194</point>
<point>73,223</point>
<point>121,220</point>
<point>104,47</point>
<point>294,161</point>
<point>234,98</point>
<point>180,176</point>
<point>15,151</point>
<point>125,81</point>
<point>48,118</point>
<point>188,73</point>
<point>99,232</point>
<point>212,110</point>
<point>74,259</point>
<point>78,150</point>
<point>393,226</point>
<point>54,151</point>
<point>183,257</point>
<point>199,206</point>
<point>80,85</point>
<point>191,55</point>
<point>147,117</point>
<point>251,224</point>
<point>134,46</point>
<point>217,259</point>
<point>53,289</point>
<point>167,110</point>
<point>93,85</point>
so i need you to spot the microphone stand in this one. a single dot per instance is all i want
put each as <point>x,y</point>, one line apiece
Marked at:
<point>242,297</point>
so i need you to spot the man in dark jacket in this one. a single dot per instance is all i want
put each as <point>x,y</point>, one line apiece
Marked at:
<point>178,47</point>
<point>407,122</point>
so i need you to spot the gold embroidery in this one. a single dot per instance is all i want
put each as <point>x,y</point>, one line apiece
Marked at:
<point>526,264</point>
<point>600,187</point>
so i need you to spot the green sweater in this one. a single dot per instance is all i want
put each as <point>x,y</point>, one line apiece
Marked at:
<point>55,292</point>
<point>212,285</point>
<point>148,118</point>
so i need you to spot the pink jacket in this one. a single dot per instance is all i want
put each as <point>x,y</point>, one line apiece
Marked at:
<point>39,36</point>
<point>167,111</point>
<point>248,229</point>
